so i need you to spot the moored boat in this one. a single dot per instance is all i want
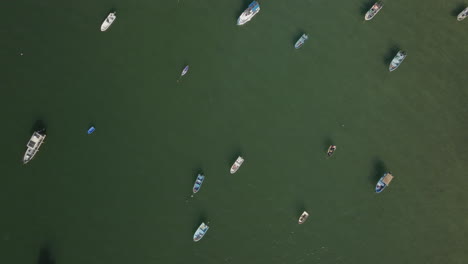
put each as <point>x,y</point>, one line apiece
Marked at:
<point>201,231</point>
<point>198,183</point>
<point>108,21</point>
<point>237,164</point>
<point>301,41</point>
<point>373,10</point>
<point>383,182</point>
<point>249,13</point>
<point>397,60</point>
<point>184,71</point>
<point>331,150</point>
<point>33,145</point>
<point>463,14</point>
<point>303,217</point>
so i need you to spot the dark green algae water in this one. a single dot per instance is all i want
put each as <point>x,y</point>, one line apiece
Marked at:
<point>122,195</point>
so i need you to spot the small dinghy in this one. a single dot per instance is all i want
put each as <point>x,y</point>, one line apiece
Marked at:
<point>91,130</point>
<point>108,21</point>
<point>383,182</point>
<point>463,14</point>
<point>237,164</point>
<point>373,11</point>
<point>303,217</point>
<point>397,60</point>
<point>331,150</point>
<point>198,183</point>
<point>301,41</point>
<point>201,231</point>
<point>184,71</point>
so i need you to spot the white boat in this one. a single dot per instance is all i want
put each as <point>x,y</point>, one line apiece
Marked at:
<point>301,41</point>
<point>237,164</point>
<point>397,60</point>
<point>373,11</point>
<point>383,182</point>
<point>249,13</point>
<point>201,231</point>
<point>108,21</point>
<point>33,145</point>
<point>462,14</point>
<point>303,217</point>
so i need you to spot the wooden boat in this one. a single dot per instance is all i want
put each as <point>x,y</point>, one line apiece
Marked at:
<point>397,60</point>
<point>373,11</point>
<point>33,145</point>
<point>301,41</point>
<point>463,14</point>
<point>383,182</point>
<point>198,183</point>
<point>91,130</point>
<point>237,164</point>
<point>331,150</point>
<point>249,13</point>
<point>201,231</point>
<point>108,21</point>
<point>303,217</point>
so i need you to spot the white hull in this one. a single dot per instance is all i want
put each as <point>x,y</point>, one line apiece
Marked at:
<point>249,13</point>
<point>33,146</point>
<point>463,14</point>
<point>108,21</point>
<point>237,164</point>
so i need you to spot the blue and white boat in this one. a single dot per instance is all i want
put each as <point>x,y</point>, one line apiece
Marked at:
<point>383,182</point>
<point>249,13</point>
<point>201,231</point>
<point>301,41</point>
<point>198,183</point>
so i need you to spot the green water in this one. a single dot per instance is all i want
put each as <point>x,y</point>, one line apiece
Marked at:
<point>122,195</point>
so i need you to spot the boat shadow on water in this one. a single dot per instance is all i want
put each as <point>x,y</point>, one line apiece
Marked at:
<point>327,142</point>
<point>299,208</point>
<point>365,6</point>
<point>45,256</point>
<point>390,55</point>
<point>460,7</point>
<point>377,171</point>
<point>38,125</point>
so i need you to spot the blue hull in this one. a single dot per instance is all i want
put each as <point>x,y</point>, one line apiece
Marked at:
<point>91,130</point>
<point>198,183</point>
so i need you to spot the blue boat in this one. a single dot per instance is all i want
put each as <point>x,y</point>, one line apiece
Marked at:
<point>91,130</point>
<point>383,182</point>
<point>201,231</point>
<point>198,183</point>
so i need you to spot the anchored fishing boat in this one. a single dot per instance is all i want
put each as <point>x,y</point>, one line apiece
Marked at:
<point>237,164</point>
<point>303,217</point>
<point>397,60</point>
<point>33,145</point>
<point>383,182</point>
<point>108,21</point>
<point>463,14</point>
<point>373,11</point>
<point>201,231</point>
<point>198,183</point>
<point>301,41</point>
<point>249,13</point>
<point>331,150</point>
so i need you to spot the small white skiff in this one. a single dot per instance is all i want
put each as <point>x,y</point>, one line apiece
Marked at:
<point>108,21</point>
